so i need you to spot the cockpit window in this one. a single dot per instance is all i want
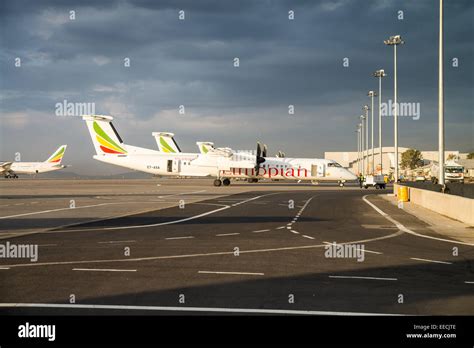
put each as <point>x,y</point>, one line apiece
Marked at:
<point>334,164</point>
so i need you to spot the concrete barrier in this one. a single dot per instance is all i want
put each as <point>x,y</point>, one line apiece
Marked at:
<point>454,207</point>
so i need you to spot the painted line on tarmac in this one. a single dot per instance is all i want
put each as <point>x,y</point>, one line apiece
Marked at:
<point>103,270</point>
<point>226,234</point>
<point>190,309</point>
<point>360,277</point>
<point>407,230</point>
<point>168,257</point>
<point>53,210</point>
<point>468,282</point>
<point>117,241</point>
<point>231,273</point>
<point>182,193</point>
<point>260,231</point>
<point>185,237</point>
<point>224,207</point>
<point>305,236</point>
<point>432,261</point>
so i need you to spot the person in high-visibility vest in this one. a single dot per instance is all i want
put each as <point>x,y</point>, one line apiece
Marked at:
<point>361,180</point>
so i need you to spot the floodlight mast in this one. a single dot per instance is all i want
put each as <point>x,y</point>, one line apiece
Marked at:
<point>395,41</point>
<point>380,73</point>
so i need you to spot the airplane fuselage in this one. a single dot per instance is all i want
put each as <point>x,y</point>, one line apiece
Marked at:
<point>32,167</point>
<point>199,165</point>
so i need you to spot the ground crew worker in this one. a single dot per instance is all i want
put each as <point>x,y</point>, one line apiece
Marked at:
<point>361,180</point>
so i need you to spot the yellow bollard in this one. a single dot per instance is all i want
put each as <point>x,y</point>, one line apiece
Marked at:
<point>403,194</point>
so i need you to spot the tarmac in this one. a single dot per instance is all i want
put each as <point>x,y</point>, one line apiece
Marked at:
<point>186,247</point>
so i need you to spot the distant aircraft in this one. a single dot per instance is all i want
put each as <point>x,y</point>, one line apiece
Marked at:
<point>13,169</point>
<point>221,163</point>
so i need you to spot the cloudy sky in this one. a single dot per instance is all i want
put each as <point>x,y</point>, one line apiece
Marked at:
<point>190,62</point>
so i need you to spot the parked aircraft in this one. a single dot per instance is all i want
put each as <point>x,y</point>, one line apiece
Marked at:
<point>221,163</point>
<point>13,169</point>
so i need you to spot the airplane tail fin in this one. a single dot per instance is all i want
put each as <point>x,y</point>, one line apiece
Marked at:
<point>105,138</point>
<point>166,142</point>
<point>57,155</point>
<point>205,146</point>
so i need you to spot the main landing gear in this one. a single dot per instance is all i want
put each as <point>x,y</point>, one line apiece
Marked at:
<point>218,182</point>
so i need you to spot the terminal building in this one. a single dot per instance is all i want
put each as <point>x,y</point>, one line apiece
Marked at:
<point>349,159</point>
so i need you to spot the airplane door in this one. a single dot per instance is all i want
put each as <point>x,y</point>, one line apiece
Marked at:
<point>169,166</point>
<point>318,170</point>
<point>321,170</point>
<point>176,166</point>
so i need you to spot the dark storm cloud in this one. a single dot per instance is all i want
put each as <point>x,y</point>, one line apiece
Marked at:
<point>190,62</point>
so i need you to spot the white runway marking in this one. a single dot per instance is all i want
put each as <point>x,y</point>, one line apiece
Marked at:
<point>407,230</point>
<point>295,232</point>
<point>185,237</point>
<point>53,210</point>
<point>142,226</point>
<point>260,231</point>
<point>162,223</point>
<point>117,241</point>
<point>153,258</point>
<point>468,282</point>
<point>104,270</point>
<point>433,261</point>
<point>357,277</point>
<point>280,228</point>
<point>4,267</point>
<point>234,273</point>
<point>182,193</point>
<point>226,234</point>
<point>190,309</point>
<point>309,237</point>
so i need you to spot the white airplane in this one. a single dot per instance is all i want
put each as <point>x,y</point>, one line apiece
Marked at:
<point>221,163</point>
<point>275,168</point>
<point>12,169</point>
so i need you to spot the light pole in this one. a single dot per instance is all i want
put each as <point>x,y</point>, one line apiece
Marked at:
<point>359,130</point>
<point>395,41</point>
<point>358,149</point>
<point>380,73</point>
<point>441,98</point>
<point>362,118</point>
<point>366,115</point>
<point>372,94</point>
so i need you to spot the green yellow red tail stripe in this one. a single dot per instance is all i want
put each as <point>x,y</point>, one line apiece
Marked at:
<point>107,144</point>
<point>57,156</point>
